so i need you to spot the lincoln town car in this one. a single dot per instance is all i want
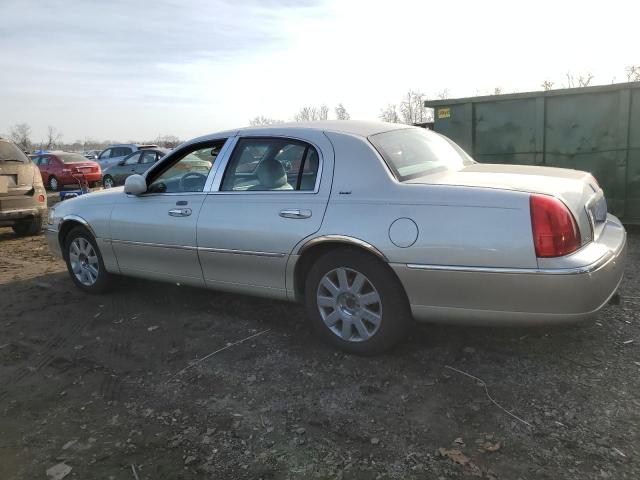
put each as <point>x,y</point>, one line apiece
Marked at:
<point>370,225</point>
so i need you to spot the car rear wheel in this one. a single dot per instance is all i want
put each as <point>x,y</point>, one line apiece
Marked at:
<point>28,228</point>
<point>84,261</point>
<point>356,303</point>
<point>53,184</point>
<point>107,182</point>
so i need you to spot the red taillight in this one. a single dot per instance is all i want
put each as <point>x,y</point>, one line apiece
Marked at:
<point>555,232</point>
<point>41,198</point>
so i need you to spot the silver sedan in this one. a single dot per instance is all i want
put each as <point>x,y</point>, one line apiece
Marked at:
<point>371,225</point>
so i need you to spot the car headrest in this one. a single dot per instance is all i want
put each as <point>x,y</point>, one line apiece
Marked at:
<point>271,174</point>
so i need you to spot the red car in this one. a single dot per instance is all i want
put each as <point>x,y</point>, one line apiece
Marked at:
<point>62,168</point>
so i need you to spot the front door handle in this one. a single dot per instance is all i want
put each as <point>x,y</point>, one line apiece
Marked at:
<point>295,213</point>
<point>180,212</point>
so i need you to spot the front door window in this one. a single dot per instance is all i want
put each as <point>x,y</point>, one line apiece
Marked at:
<point>187,173</point>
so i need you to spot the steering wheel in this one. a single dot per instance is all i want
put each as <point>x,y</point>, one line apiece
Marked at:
<point>191,175</point>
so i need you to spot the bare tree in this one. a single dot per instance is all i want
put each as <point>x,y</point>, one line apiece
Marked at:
<point>547,85</point>
<point>310,114</point>
<point>412,109</point>
<point>167,141</point>
<point>581,81</point>
<point>323,112</point>
<point>444,94</point>
<point>633,73</point>
<point>53,138</point>
<point>20,134</point>
<point>262,120</point>
<point>341,113</point>
<point>390,114</point>
<point>497,91</point>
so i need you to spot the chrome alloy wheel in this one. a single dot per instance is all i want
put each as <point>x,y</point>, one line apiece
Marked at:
<point>107,182</point>
<point>84,261</point>
<point>349,304</point>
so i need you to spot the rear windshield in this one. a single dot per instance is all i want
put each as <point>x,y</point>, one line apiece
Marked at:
<point>414,152</point>
<point>71,157</point>
<point>10,152</point>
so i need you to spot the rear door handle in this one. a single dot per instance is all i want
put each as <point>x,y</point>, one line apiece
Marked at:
<point>295,213</point>
<point>180,212</point>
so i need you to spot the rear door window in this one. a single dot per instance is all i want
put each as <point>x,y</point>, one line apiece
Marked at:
<point>271,164</point>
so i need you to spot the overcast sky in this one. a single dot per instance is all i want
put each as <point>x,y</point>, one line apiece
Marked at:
<point>135,69</point>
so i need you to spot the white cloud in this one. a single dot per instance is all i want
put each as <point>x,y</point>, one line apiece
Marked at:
<point>126,70</point>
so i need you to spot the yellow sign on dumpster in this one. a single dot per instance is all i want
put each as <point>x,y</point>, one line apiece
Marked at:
<point>444,112</point>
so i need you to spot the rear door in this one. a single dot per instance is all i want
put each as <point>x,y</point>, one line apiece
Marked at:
<point>272,194</point>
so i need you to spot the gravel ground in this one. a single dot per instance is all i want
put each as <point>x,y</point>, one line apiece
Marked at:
<point>92,385</point>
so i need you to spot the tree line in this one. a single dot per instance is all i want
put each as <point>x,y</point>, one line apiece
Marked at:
<point>21,135</point>
<point>409,110</point>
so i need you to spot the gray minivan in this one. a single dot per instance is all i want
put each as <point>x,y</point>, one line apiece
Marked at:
<point>23,200</point>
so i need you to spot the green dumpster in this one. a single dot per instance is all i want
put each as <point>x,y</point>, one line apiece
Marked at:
<point>596,129</point>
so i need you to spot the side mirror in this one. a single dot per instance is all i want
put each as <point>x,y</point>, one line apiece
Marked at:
<point>121,163</point>
<point>135,185</point>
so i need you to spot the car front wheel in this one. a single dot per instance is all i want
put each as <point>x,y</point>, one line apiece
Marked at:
<point>84,261</point>
<point>356,303</point>
<point>107,182</point>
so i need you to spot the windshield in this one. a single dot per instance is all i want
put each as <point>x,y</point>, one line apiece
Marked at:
<point>71,157</point>
<point>414,152</point>
<point>9,152</point>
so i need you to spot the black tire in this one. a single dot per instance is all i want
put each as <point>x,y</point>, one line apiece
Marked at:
<point>108,180</point>
<point>56,184</point>
<point>396,318</point>
<point>28,228</point>
<point>103,281</point>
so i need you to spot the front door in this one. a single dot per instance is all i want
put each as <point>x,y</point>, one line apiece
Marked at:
<point>154,234</point>
<point>128,168</point>
<point>272,194</point>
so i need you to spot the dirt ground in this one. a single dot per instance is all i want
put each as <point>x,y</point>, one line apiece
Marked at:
<point>94,383</point>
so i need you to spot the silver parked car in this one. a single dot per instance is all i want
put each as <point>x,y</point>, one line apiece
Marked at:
<point>114,154</point>
<point>370,224</point>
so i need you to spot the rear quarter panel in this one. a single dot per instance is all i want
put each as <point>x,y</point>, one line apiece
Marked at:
<point>461,226</point>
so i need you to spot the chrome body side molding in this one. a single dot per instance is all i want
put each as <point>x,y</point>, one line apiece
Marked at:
<point>200,249</point>
<point>342,239</point>
<point>79,219</point>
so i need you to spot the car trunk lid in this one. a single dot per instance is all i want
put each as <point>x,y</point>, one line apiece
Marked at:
<point>79,167</point>
<point>578,190</point>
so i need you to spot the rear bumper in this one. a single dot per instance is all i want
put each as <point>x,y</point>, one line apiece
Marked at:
<point>11,217</point>
<point>507,296</point>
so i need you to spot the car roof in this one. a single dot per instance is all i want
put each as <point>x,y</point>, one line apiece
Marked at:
<point>136,145</point>
<point>163,151</point>
<point>349,127</point>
